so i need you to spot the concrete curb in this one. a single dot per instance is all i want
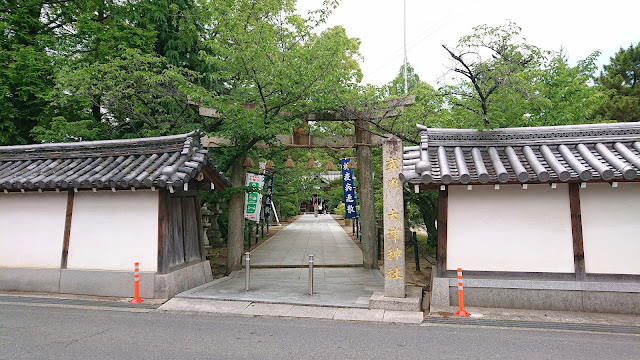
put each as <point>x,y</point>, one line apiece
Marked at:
<point>248,308</point>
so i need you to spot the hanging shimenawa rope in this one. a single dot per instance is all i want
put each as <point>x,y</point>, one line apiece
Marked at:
<point>311,164</point>
<point>290,163</point>
<point>330,166</point>
<point>248,163</point>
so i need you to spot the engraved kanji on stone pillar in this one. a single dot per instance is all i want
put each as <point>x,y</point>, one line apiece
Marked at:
<point>394,266</point>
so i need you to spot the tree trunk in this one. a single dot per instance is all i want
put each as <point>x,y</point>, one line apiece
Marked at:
<point>95,109</point>
<point>365,194</point>
<point>235,242</point>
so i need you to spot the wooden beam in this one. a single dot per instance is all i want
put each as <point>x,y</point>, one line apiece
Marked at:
<point>388,109</point>
<point>335,141</point>
<point>163,232</point>
<point>441,252</point>
<point>212,177</point>
<point>67,229</point>
<point>576,230</point>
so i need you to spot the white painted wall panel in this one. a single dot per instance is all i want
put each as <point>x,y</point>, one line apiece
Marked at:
<point>510,229</point>
<point>32,229</point>
<point>112,231</point>
<point>611,228</point>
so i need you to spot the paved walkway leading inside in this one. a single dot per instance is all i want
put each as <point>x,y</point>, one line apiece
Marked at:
<point>280,275</point>
<point>321,236</point>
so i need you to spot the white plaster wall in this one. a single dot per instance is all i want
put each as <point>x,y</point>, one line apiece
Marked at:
<point>611,228</point>
<point>112,231</point>
<point>32,229</point>
<point>510,229</point>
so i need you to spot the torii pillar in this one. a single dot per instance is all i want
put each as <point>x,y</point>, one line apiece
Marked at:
<point>365,196</point>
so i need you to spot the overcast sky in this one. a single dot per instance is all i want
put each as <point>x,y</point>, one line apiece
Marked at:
<point>580,27</point>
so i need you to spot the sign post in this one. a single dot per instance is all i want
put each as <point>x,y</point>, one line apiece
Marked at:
<point>267,205</point>
<point>253,200</point>
<point>350,207</point>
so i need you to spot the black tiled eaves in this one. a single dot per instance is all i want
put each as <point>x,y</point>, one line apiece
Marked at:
<point>576,153</point>
<point>131,163</point>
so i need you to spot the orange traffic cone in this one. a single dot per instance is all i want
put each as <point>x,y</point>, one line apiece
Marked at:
<point>136,286</point>
<point>462,311</point>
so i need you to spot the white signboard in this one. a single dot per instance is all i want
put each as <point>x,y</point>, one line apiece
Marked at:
<point>253,200</point>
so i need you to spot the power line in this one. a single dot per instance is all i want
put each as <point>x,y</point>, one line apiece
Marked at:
<point>413,43</point>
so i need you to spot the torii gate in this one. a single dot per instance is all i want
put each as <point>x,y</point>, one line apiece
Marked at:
<point>363,140</point>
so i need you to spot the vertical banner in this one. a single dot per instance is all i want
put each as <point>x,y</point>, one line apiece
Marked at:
<point>350,209</point>
<point>253,200</point>
<point>267,205</point>
<point>393,215</point>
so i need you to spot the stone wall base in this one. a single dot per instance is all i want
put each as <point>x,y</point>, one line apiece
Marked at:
<point>104,282</point>
<point>606,297</point>
<point>412,301</point>
<point>175,282</point>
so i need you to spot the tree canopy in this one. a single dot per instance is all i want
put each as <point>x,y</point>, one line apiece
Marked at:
<point>621,76</point>
<point>503,81</point>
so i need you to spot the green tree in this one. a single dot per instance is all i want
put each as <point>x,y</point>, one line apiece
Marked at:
<point>622,76</point>
<point>494,63</point>
<point>26,72</point>
<point>279,68</point>
<point>567,93</point>
<point>127,69</point>
<point>395,87</point>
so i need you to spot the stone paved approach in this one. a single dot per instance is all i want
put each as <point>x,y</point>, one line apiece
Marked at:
<point>280,272</point>
<point>279,283</point>
<point>321,236</point>
<point>341,287</point>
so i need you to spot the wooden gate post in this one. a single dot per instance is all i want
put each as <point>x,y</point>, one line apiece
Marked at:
<point>365,196</point>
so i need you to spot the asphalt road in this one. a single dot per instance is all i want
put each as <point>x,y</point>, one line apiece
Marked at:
<point>28,332</point>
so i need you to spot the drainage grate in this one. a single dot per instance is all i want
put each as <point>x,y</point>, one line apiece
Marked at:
<point>618,329</point>
<point>56,301</point>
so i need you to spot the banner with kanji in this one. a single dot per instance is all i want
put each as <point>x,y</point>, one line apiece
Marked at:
<point>253,200</point>
<point>267,204</point>
<point>348,185</point>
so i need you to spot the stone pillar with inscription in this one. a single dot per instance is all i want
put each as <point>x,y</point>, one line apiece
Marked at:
<point>393,213</point>
<point>396,295</point>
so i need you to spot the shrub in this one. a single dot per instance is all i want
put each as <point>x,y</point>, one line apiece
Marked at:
<point>339,210</point>
<point>288,210</point>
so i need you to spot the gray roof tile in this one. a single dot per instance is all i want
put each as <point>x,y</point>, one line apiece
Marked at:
<point>138,163</point>
<point>578,153</point>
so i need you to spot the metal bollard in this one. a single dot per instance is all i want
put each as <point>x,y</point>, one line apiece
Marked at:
<point>415,250</point>
<point>310,274</point>
<point>247,270</point>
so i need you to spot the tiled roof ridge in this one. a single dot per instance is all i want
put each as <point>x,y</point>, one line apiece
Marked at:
<point>116,164</point>
<point>84,149</point>
<point>593,152</point>
<point>566,134</point>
